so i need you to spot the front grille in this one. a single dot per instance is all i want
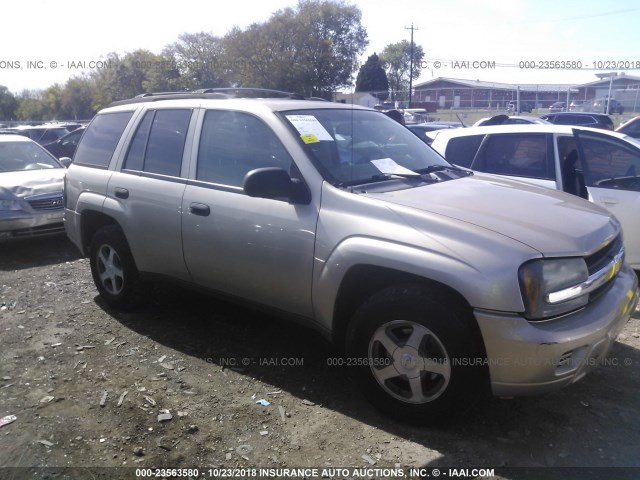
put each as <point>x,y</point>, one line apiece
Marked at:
<point>50,201</point>
<point>602,257</point>
<point>601,260</point>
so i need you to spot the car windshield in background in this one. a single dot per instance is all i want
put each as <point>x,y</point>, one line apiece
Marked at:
<point>18,156</point>
<point>352,147</point>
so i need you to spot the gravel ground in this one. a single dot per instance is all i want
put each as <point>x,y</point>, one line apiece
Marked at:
<point>176,384</point>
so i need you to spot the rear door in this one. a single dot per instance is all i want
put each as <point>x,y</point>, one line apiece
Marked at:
<point>145,194</point>
<point>611,172</point>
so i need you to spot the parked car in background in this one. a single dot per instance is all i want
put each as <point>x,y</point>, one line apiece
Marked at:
<point>415,115</point>
<point>42,133</point>
<point>578,106</point>
<point>603,167</point>
<point>509,120</point>
<point>583,119</point>
<point>558,107</point>
<point>421,129</point>
<point>65,146</point>
<point>428,275</point>
<point>606,106</point>
<point>524,107</point>
<point>630,127</point>
<point>31,181</point>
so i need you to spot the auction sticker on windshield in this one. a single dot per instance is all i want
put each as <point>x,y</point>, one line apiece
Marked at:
<point>389,166</point>
<point>309,128</point>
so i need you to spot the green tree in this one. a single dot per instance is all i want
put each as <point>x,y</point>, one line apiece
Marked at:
<point>51,102</point>
<point>396,59</point>
<point>198,61</point>
<point>30,105</point>
<point>134,73</point>
<point>8,104</point>
<point>311,49</point>
<point>372,78</point>
<point>77,102</point>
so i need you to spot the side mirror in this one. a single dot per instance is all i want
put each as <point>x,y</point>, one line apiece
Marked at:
<point>275,183</point>
<point>66,161</point>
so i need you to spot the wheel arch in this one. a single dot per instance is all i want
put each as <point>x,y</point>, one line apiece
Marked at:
<point>363,281</point>
<point>91,222</point>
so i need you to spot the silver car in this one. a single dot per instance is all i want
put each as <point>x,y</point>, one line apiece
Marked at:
<point>31,182</point>
<point>436,282</point>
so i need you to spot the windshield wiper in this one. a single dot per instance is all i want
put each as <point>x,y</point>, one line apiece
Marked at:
<point>379,177</point>
<point>440,168</point>
<point>423,174</point>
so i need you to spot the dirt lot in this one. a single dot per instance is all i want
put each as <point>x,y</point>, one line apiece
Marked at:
<point>66,361</point>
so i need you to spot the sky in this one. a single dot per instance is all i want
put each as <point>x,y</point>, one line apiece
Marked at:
<point>510,41</point>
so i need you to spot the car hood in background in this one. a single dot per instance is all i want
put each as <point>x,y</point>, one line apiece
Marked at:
<point>551,222</point>
<point>26,183</point>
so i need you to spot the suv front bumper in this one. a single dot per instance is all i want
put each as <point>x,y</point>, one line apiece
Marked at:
<point>526,358</point>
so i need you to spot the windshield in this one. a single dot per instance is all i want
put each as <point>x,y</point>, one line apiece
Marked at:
<point>17,156</point>
<point>351,147</point>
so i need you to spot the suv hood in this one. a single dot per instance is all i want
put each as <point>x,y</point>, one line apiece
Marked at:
<point>26,183</point>
<point>551,222</point>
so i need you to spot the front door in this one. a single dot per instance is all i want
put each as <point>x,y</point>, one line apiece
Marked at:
<point>611,170</point>
<point>255,248</point>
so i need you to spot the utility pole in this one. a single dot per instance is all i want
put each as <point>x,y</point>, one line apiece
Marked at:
<point>412,28</point>
<point>607,103</point>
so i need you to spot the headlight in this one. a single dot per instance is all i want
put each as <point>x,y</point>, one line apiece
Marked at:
<point>11,205</point>
<point>552,287</point>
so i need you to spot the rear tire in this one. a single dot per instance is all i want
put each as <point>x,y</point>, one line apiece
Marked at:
<point>418,355</point>
<point>113,269</point>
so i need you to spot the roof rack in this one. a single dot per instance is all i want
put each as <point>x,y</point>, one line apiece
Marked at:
<point>252,92</point>
<point>210,93</point>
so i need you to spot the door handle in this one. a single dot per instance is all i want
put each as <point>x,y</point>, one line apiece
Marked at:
<point>121,192</point>
<point>200,209</point>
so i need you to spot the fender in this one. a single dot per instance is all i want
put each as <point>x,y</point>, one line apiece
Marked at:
<point>448,270</point>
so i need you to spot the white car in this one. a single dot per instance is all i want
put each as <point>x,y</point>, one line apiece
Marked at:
<point>31,179</point>
<point>598,165</point>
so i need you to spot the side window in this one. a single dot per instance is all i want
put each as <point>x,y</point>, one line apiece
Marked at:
<point>522,155</point>
<point>135,155</point>
<point>234,143</point>
<point>101,138</point>
<point>461,150</point>
<point>158,144</point>
<point>633,129</point>
<point>610,163</point>
<point>585,120</point>
<point>566,120</point>
<point>72,139</point>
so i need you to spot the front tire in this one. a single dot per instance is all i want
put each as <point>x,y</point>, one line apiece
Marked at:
<point>114,270</point>
<point>418,353</point>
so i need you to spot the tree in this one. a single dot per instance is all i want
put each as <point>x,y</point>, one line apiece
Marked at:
<point>198,60</point>
<point>396,58</point>
<point>77,101</point>
<point>8,104</point>
<point>134,73</point>
<point>310,49</point>
<point>30,105</point>
<point>372,78</point>
<point>51,102</point>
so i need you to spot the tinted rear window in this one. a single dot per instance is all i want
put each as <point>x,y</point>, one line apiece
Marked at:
<point>461,150</point>
<point>101,138</point>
